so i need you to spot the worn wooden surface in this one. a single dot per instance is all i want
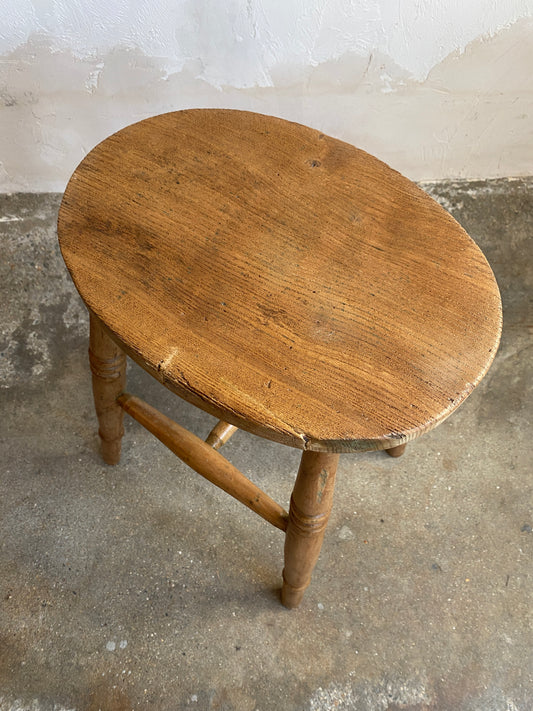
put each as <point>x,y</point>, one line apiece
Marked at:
<point>201,457</point>
<point>284,281</point>
<point>396,451</point>
<point>108,368</point>
<point>220,434</point>
<point>311,501</point>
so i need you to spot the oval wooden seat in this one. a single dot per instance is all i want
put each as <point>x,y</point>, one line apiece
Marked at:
<point>280,279</point>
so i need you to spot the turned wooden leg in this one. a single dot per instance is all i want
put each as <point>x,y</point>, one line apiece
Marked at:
<point>311,502</point>
<point>396,451</point>
<point>220,434</point>
<point>108,366</point>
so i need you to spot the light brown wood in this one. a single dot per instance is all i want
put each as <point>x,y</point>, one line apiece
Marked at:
<point>108,367</point>
<point>309,511</point>
<point>220,434</point>
<point>396,451</point>
<point>286,282</point>
<point>204,459</point>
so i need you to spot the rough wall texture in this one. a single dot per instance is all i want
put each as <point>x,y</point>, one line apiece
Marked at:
<point>437,88</point>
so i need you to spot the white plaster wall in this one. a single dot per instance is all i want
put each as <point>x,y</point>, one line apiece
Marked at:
<point>437,88</point>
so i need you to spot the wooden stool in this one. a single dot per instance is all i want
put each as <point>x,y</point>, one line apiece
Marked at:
<point>283,281</point>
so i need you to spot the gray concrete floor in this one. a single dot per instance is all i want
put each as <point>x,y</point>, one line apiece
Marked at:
<point>141,586</point>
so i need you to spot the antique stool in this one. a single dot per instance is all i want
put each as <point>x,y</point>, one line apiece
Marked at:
<point>283,281</point>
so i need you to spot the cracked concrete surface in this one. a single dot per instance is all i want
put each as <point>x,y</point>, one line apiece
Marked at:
<point>141,586</point>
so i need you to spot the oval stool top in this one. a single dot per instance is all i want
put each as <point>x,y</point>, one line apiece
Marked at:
<point>280,279</point>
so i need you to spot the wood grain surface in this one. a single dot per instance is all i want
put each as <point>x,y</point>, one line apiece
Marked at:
<point>205,460</point>
<point>284,281</point>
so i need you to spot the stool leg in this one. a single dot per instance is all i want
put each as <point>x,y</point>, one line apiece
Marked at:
<point>311,502</point>
<point>396,451</point>
<point>108,366</point>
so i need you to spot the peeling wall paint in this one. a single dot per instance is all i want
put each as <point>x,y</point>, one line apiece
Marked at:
<point>240,43</point>
<point>437,88</point>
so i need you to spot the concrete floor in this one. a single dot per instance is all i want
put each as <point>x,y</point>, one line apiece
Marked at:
<point>141,586</point>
